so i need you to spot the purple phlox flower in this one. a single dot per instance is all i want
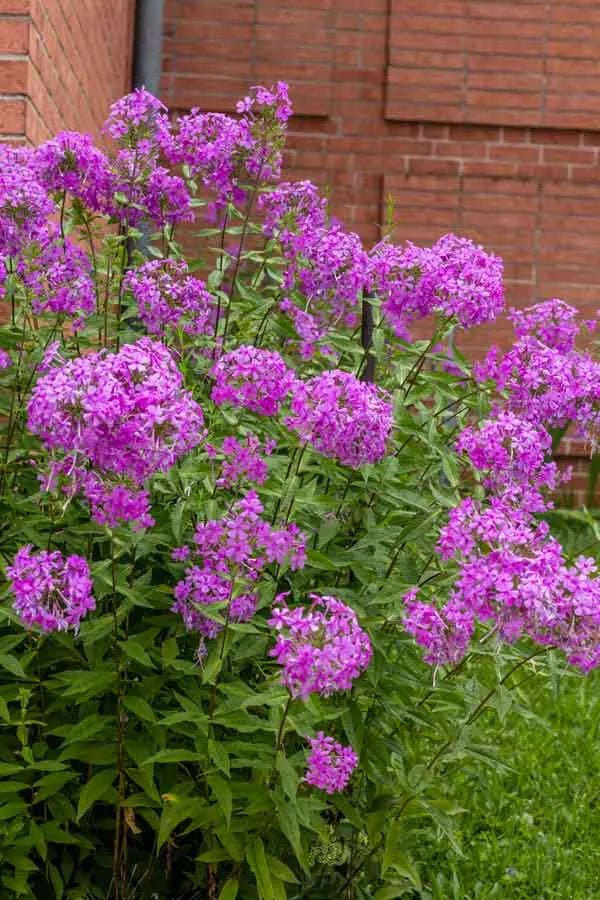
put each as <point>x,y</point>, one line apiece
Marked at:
<point>50,591</point>
<point>330,764</point>
<point>70,162</point>
<point>243,462</point>
<point>445,633</point>
<point>57,275</point>
<point>139,121</point>
<point>545,385</point>
<point>25,206</point>
<point>321,649</point>
<point>167,296</point>
<point>5,360</point>
<point>226,562</point>
<point>552,322</point>
<point>342,417</point>
<point>111,421</point>
<point>512,453</point>
<point>255,379</point>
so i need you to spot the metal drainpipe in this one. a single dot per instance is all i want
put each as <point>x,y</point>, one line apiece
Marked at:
<point>147,47</point>
<point>147,63</point>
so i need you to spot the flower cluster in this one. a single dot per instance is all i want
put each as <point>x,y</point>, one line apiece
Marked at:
<point>342,417</point>
<point>512,454</point>
<point>226,561</point>
<point>322,649</point>
<point>330,764</point>
<point>444,633</point>
<point>50,591</point>
<point>225,154</point>
<point>70,162</point>
<point>553,323</point>
<point>113,420</point>
<point>57,276</point>
<point>243,462</point>
<point>24,204</point>
<point>255,379</point>
<point>456,278</point>
<point>167,296</point>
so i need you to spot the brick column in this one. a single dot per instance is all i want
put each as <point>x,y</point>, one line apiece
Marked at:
<point>62,62</point>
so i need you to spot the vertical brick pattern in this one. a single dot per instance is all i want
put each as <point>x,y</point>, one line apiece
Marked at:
<point>80,52</point>
<point>14,66</point>
<point>61,63</point>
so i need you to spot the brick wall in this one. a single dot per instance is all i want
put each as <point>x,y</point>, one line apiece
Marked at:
<point>61,63</point>
<point>480,116</point>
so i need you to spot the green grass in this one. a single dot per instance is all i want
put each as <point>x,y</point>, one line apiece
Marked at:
<point>534,832</point>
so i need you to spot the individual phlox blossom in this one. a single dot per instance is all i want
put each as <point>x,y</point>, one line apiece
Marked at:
<point>139,121</point>
<point>243,461</point>
<point>167,296</point>
<point>322,649</point>
<point>546,386</point>
<point>5,360</point>
<point>552,322</point>
<point>70,162</point>
<point>58,277</point>
<point>395,275</point>
<point>330,764</point>
<point>342,417</point>
<point>24,203</point>
<point>512,454</point>
<point>253,378</point>
<point>122,416</point>
<point>290,208</point>
<point>226,562</point>
<point>466,281</point>
<point>476,526</point>
<point>444,633</point>
<point>50,591</point>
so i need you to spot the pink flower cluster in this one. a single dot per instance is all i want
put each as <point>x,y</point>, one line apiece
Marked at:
<point>255,379</point>
<point>58,277</point>
<point>167,296</point>
<point>456,278</point>
<point>50,591</point>
<point>325,266</point>
<point>243,462</point>
<point>322,649</point>
<point>512,454</point>
<point>111,421</point>
<point>342,417</point>
<point>226,562</point>
<point>330,764</point>
<point>511,573</point>
<point>225,154</point>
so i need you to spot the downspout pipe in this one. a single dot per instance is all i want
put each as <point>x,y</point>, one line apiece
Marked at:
<point>147,46</point>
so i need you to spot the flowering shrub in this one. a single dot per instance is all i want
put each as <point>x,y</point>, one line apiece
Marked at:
<point>243,510</point>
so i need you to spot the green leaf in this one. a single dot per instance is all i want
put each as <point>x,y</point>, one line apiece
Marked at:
<point>136,652</point>
<point>219,755</point>
<point>281,871</point>
<point>12,665</point>
<point>229,890</point>
<point>140,707</point>
<point>222,792</point>
<point>288,775</point>
<point>257,860</point>
<point>94,790</point>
